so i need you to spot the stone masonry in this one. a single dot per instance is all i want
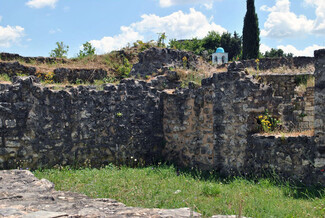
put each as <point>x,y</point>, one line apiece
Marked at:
<point>80,124</point>
<point>320,110</point>
<point>296,109</point>
<point>210,127</point>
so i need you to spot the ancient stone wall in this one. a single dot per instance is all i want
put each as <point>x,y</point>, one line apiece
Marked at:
<point>40,127</point>
<point>320,112</point>
<point>60,75</point>
<point>154,59</point>
<point>210,127</point>
<point>286,157</point>
<point>15,68</point>
<point>43,60</point>
<point>296,110</point>
<point>276,63</point>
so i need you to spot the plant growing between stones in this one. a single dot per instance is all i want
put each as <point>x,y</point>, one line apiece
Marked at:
<point>267,122</point>
<point>46,77</point>
<point>185,61</point>
<point>257,61</point>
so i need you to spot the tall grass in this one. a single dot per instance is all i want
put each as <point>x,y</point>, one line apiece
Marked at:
<point>166,187</point>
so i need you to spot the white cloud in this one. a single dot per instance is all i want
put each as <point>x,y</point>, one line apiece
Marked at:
<point>107,44</point>
<point>281,22</point>
<point>264,48</point>
<point>208,4</point>
<point>41,3</point>
<point>319,24</point>
<point>308,51</point>
<point>10,35</point>
<point>178,25</point>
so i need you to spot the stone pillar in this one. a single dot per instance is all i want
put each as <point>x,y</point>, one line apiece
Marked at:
<point>320,108</point>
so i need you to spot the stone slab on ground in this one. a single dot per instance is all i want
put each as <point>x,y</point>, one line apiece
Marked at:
<point>23,195</point>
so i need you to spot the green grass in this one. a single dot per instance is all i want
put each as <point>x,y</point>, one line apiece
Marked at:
<point>165,187</point>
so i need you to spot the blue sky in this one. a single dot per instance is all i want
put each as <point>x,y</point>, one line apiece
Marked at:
<point>32,27</point>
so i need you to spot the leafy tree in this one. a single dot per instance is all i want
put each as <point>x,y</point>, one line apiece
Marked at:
<point>235,47</point>
<point>251,33</point>
<point>88,50</point>
<point>277,53</point>
<point>209,44</point>
<point>60,51</point>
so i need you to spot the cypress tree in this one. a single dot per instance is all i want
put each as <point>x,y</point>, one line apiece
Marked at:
<point>251,33</point>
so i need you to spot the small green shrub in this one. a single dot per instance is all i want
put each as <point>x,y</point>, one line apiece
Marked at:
<point>88,50</point>
<point>60,51</point>
<point>124,69</point>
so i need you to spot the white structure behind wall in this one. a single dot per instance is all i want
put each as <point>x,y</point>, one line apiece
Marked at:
<point>220,57</point>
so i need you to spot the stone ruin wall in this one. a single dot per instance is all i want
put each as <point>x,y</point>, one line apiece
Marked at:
<point>296,110</point>
<point>41,128</point>
<point>319,112</point>
<point>211,127</point>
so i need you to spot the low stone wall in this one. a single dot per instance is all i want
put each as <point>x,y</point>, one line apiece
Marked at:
<point>274,63</point>
<point>60,75</point>
<point>288,157</point>
<point>40,127</point>
<point>15,69</point>
<point>43,60</point>
<point>154,59</point>
<point>81,75</point>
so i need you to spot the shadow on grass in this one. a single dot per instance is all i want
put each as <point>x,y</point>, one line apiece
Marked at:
<point>291,188</point>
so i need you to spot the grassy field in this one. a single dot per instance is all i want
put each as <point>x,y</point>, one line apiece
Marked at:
<point>166,187</point>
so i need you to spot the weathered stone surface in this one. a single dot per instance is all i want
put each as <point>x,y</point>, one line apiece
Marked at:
<point>43,60</point>
<point>15,68</point>
<point>296,110</point>
<point>288,157</point>
<point>153,59</point>
<point>23,195</point>
<point>80,124</point>
<point>209,127</point>
<point>320,108</point>
<point>81,75</point>
<point>274,63</point>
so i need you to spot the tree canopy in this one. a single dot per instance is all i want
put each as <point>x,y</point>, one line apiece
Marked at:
<point>208,45</point>
<point>251,33</point>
